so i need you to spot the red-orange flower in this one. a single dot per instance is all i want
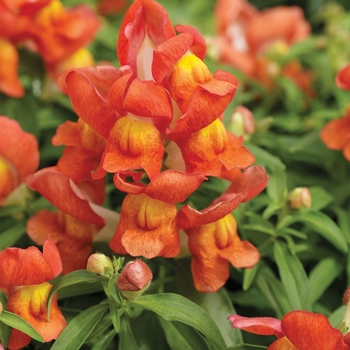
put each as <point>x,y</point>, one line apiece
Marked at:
<point>342,79</point>
<point>147,224</point>
<point>298,330</point>
<point>73,227</point>
<point>135,140</point>
<point>81,156</point>
<point>24,276</point>
<point>145,26</point>
<point>336,134</point>
<point>59,32</point>
<point>200,96</point>
<point>19,156</point>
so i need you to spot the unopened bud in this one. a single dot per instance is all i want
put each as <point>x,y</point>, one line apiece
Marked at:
<point>100,264</point>
<point>134,279</point>
<point>299,198</point>
<point>346,297</point>
<point>345,325</point>
<point>242,122</point>
<point>1,308</point>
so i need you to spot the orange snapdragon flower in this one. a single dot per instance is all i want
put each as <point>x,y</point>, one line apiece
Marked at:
<point>19,156</point>
<point>24,277</point>
<point>147,224</point>
<point>212,232</point>
<point>342,79</point>
<point>75,225</point>
<point>298,330</point>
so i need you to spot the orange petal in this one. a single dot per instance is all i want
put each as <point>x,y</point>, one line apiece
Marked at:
<point>250,182</point>
<point>29,266</point>
<point>9,80</point>
<point>29,302</point>
<point>307,330</point>
<point>133,144</point>
<point>146,228</point>
<point>223,205</point>
<point>282,344</point>
<point>63,194</point>
<point>342,79</point>
<point>144,99</point>
<point>336,133</point>
<point>87,89</point>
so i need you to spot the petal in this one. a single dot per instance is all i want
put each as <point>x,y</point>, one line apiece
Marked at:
<point>258,325</point>
<point>146,23</point>
<point>144,99</point>
<point>250,181</point>
<point>87,89</point>
<point>282,344</point>
<point>63,194</point>
<point>308,330</point>
<point>342,79</point>
<point>199,46</point>
<point>133,144</point>
<point>189,217</point>
<point>29,266</point>
<point>29,302</point>
<point>146,228</point>
<point>9,80</point>
<point>172,186</point>
<point>336,133</point>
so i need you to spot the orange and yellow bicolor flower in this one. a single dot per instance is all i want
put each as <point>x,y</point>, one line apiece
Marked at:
<point>24,278</point>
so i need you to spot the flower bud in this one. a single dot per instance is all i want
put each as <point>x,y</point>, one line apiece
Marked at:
<point>1,308</point>
<point>242,122</point>
<point>134,279</point>
<point>300,197</point>
<point>100,264</point>
<point>346,297</point>
<point>345,325</point>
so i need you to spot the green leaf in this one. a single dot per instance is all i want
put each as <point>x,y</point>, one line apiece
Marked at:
<point>14,321</point>
<point>10,236</point>
<point>182,337</point>
<point>114,310</point>
<point>343,220</point>
<point>273,290</point>
<point>174,307</point>
<point>126,337</point>
<point>322,276</point>
<point>78,329</point>
<point>103,343</point>
<point>218,305</point>
<point>248,276</point>
<point>320,198</point>
<point>70,279</point>
<point>321,224</point>
<point>336,318</point>
<point>113,289</point>
<point>293,278</point>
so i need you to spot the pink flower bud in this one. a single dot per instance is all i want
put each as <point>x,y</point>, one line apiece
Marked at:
<point>300,197</point>
<point>100,264</point>
<point>134,279</point>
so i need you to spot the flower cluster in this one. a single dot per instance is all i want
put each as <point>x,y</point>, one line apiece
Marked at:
<point>246,42</point>
<point>155,123</point>
<point>47,28</point>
